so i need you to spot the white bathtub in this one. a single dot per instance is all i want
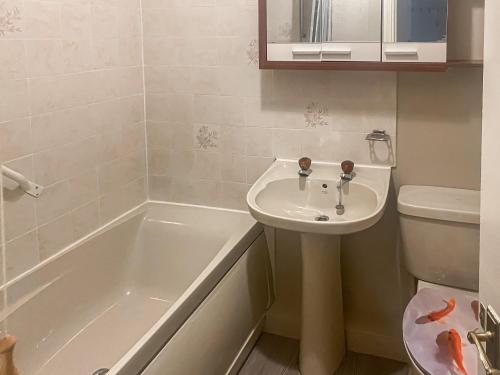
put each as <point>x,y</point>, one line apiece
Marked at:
<point>162,284</point>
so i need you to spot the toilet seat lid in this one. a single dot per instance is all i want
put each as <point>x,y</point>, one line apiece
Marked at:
<point>426,341</point>
<point>414,362</point>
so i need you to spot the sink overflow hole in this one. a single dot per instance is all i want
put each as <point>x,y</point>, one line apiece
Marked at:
<point>322,218</point>
<point>101,371</point>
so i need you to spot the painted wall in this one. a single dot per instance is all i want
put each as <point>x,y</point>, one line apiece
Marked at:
<point>71,118</point>
<point>490,264</point>
<point>439,129</point>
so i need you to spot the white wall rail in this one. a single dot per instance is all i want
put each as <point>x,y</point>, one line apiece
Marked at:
<point>26,185</point>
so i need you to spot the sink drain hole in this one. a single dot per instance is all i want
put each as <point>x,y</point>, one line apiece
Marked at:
<point>101,371</point>
<point>322,218</point>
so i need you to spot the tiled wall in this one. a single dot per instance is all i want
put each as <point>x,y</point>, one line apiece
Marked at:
<point>71,118</point>
<point>215,121</point>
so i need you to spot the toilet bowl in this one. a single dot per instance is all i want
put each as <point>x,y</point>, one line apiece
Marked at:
<point>440,240</point>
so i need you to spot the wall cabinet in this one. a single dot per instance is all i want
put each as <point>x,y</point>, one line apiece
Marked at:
<point>354,34</point>
<point>415,31</point>
<point>324,30</point>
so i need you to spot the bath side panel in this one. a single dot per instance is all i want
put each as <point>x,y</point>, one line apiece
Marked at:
<point>222,327</point>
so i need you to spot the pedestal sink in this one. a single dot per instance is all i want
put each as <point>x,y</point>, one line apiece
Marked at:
<point>282,199</point>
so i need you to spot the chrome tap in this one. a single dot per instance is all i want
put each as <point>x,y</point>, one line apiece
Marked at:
<point>305,167</point>
<point>346,176</point>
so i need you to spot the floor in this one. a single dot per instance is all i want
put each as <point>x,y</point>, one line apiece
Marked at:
<point>276,355</point>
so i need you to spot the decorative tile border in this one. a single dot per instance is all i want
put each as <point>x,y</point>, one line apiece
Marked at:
<point>315,115</point>
<point>9,19</point>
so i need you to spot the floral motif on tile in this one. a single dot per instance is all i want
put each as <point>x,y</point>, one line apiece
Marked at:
<point>9,19</point>
<point>207,138</point>
<point>315,115</point>
<point>253,52</point>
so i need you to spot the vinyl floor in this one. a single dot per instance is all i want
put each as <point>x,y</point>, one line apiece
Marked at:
<point>276,355</point>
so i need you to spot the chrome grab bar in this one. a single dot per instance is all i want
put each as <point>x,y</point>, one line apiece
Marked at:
<point>477,338</point>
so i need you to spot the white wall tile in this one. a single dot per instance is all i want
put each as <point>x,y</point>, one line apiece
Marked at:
<point>14,99</point>
<point>42,20</point>
<point>76,20</point>
<point>71,103</point>
<point>21,254</point>
<point>85,219</point>
<point>233,168</point>
<point>13,62</point>
<point>15,139</point>
<point>233,195</point>
<point>44,57</point>
<point>54,236</point>
<point>206,78</point>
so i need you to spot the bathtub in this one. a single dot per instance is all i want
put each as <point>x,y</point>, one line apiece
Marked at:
<point>165,289</point>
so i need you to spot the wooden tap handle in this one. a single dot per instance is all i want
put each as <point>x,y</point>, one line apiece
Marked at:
<point>305,164</point>
<point>7,345</point>
<point>347,166</point>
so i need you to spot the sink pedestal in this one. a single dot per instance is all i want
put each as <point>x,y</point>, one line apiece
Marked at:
<point>322,345</point>
<point>307,205</point>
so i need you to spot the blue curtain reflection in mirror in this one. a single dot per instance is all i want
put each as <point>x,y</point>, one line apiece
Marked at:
<point>422,20</point>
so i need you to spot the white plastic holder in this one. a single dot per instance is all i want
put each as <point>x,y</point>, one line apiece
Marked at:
<point>26,185</point>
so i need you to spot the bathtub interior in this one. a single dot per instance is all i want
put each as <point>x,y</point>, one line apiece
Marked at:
<point>180,242</point>
<point>70,320</point>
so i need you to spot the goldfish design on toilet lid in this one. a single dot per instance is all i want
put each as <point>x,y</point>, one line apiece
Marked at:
<point>427,340</point>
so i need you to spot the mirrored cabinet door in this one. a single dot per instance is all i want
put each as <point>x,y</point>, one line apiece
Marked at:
<point>294,30</point>
<point>415,30</point>
<point>352,30</point>
<point>324,30</point>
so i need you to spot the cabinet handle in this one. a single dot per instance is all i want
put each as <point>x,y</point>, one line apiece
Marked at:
<point>337,52</point>
<point>297,51</point>
<point>397,52</point>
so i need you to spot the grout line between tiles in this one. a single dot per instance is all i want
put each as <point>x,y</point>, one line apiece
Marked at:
<point>144,101</point>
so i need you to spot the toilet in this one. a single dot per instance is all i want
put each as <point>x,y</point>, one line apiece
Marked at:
<point>440,240</point>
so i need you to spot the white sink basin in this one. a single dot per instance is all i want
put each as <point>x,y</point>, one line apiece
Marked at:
<point>283,199</point>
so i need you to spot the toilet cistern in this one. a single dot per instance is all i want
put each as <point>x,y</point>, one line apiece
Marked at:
<point>345,177</point>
